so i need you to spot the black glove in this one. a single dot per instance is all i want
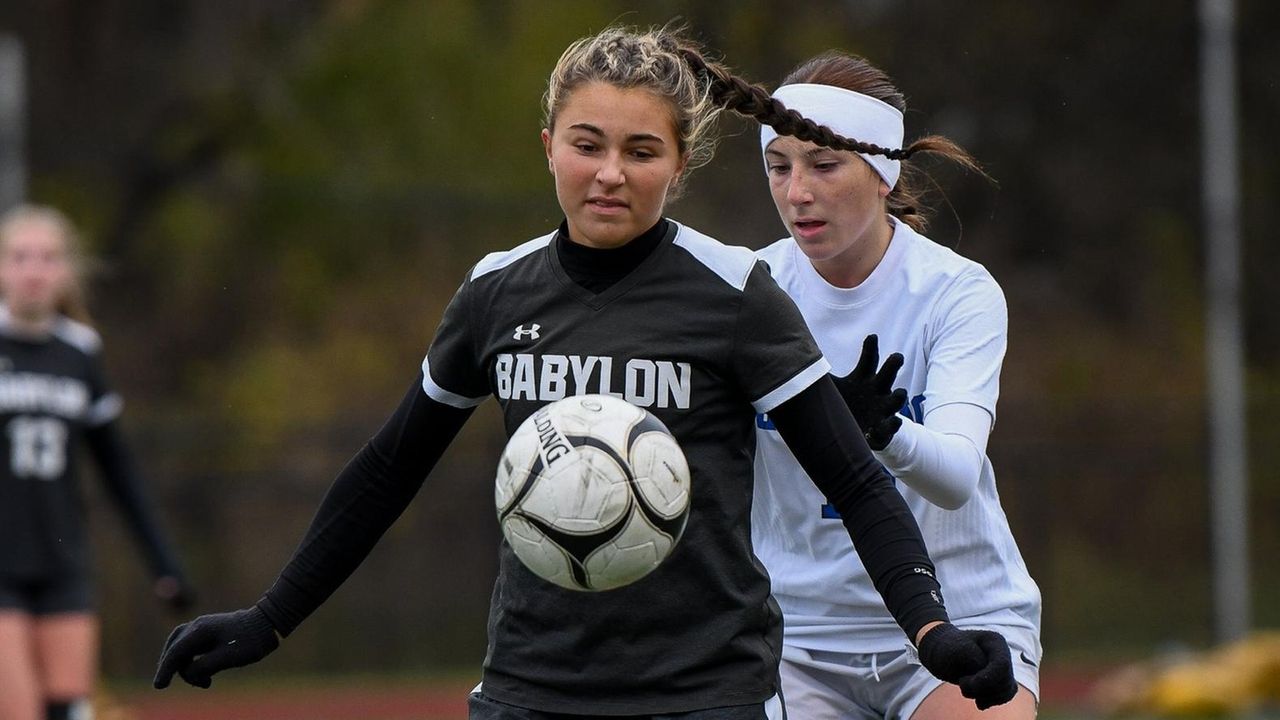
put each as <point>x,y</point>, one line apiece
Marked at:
<point>212,643</point>
<point>870,394</point>
<point>976,660</point>
<point>174,591</point>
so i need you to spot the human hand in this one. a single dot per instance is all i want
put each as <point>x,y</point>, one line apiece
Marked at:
<point>976,660</point>
<point>212,643</point>
<point>174,591</point>
<point>870,395</point>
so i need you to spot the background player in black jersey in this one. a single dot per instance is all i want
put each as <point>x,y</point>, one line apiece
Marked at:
<point>621,300</point>
<point>52,400</point>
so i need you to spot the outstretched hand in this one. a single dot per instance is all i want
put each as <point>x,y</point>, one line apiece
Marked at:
<point>212,643</point>
<point>976,660</point>
<point>870,395</point>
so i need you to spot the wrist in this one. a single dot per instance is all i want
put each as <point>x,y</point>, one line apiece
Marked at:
<point>259,622</point>
<point>897,455</point>
<point>925,631</point>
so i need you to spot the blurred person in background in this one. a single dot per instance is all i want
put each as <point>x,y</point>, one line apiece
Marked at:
<point>628,114</point>
<point>858,267</point>
<point>53,401</point>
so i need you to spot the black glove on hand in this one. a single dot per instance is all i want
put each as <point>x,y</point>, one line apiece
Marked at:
<point>976,660</point>
<point>870,394</point>
<point>212,643</point>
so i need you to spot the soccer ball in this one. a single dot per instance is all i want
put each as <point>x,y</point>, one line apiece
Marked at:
<point>592,492</point>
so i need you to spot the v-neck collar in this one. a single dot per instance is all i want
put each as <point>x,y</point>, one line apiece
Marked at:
<point>596,301</point>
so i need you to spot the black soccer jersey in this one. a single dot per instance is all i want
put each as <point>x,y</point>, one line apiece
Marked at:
<point>701,336</point>
<point>51,390</point>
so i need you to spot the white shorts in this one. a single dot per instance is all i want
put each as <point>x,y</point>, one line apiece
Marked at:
<point>881,686</point>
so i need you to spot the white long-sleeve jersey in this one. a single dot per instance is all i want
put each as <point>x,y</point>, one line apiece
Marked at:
<point>948,318</point>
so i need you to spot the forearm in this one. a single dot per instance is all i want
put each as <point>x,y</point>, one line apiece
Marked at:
<point>366,498</point>
<point>107,447</point>
<point>824,438</point>
<point>942,459</point>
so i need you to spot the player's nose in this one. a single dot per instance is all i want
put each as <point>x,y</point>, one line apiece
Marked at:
<point>798,191</point>
<point>610,172</point>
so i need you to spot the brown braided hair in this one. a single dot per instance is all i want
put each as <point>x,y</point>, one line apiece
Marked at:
<point>669,64</point>
<point>733,93</point>
<point>851,73</point>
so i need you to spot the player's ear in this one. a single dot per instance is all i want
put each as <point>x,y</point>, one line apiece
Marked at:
<point>546,145</point>
<point>884,189</point>
<point>684,163</point>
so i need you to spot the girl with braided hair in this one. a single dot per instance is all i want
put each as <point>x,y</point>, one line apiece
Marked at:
<point>858,266</point>
<point>586,308</point>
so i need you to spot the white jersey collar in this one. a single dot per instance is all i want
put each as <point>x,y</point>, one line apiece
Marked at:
<point>837,297</point>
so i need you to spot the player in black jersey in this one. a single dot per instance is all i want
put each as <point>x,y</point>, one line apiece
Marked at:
<point>53,400</point>
<point>621,300</point>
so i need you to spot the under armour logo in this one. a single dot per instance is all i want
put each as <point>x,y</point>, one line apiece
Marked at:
<point>531,333</point>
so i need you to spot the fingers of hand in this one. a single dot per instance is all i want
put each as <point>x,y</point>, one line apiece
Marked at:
<point>894,402</point>
<point>201,670</point>
<point>178,650</point>
<point>869,358</point>
<point>994,683</point>
<point>888,372</point>
<point>987,691</point>
<point>993,646</point>
<point>197,679</point>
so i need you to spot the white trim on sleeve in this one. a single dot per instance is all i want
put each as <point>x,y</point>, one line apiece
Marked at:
<point>440,395</point>
<point>107,408</point>
<point>793,387</point>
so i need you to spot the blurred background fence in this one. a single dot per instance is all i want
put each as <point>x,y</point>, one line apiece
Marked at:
<point>282,196</point>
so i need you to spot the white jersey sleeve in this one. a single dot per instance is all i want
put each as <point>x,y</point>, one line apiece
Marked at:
<point>941,459</point>
<point>941,455</point>
<point>966,335</point>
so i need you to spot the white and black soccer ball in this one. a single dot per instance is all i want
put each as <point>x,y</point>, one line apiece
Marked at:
<point>592,492</point>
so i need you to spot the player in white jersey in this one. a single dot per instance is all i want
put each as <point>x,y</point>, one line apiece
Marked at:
<point>586,308</point>
<point>858,267</point>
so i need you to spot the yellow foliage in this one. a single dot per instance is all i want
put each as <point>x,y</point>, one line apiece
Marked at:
<point>1229,680</point>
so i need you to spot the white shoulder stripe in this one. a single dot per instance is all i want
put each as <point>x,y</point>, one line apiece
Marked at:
<point>83,337</point>
<point>793,387</point>
<point>733,264</point>
<point>107,408</point>
<point>498,260</point>
<point>440,395</point>
<point>76,334</point>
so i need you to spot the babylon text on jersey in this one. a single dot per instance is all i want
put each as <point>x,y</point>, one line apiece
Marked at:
<point>546,378</point>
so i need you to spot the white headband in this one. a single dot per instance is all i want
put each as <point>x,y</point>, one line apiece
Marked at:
<point>848,113</point>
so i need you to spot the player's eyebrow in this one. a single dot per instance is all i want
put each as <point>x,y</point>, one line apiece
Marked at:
<point>634,137</point>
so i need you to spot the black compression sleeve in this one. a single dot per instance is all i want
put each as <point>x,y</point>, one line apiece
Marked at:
<point>121,479</point>
<point>365,499</point>
<point>822,434</point>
